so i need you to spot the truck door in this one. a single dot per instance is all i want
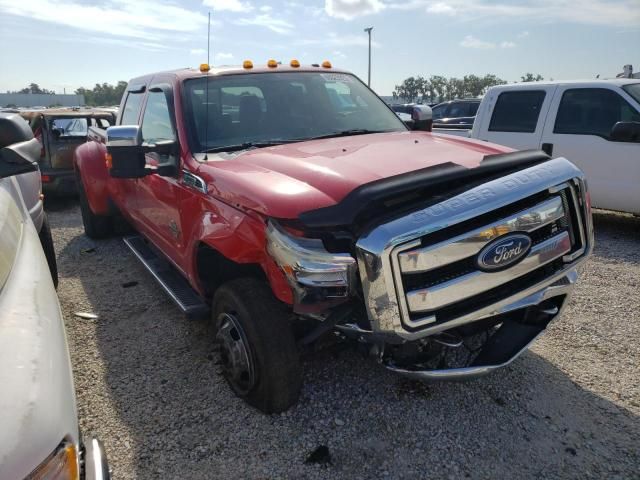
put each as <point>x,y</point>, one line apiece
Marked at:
<point>579,126</point>
<point>515,117</point>
<point>158,197</point>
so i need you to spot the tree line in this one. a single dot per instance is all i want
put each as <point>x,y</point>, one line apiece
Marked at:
<point>437,88</point>
<point>103,94</point>
<point>33,88</point>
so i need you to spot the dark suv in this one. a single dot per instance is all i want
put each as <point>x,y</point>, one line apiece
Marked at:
<point>455,113</point>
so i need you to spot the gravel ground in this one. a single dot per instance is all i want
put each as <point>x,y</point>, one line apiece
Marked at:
<point>147,386</point>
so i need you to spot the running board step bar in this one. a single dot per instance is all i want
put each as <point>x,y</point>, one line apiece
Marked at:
<point>184,296</point>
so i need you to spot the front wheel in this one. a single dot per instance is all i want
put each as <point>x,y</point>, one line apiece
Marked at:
<point>258,352</point>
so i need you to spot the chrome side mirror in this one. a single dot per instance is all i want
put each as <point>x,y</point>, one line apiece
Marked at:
<point>124,145</point>
<point>124,136</point>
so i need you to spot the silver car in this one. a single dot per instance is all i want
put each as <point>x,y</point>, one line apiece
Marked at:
<point>39,437</point>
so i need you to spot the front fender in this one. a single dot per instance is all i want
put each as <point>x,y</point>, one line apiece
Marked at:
<point>89,164</point>
<point>240,237</point>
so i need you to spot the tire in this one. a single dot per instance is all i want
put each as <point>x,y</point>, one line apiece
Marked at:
<point>265,330</point>
<point>49,251</point>
<point>95,226</point>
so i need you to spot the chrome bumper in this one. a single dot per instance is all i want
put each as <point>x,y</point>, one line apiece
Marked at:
<point>95,461</point>
<point>561,287</point>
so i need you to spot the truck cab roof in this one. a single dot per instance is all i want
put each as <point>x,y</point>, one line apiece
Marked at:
<point>191,72</point>
<point>582,83</point>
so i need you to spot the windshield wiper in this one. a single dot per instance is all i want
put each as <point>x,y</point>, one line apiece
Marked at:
<point>247,146</point>
<point>347,133</point>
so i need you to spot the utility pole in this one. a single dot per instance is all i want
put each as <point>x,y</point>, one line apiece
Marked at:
<point>368,30</point>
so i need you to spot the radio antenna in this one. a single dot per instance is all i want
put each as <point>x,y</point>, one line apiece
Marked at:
<point>206,95</point>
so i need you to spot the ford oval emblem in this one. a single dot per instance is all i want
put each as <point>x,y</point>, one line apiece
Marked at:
<point>504,252</point>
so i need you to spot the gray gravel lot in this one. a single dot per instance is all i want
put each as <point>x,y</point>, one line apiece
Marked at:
<point>147,386</point>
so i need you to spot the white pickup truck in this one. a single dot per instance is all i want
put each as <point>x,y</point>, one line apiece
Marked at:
<point>595,124</point>
<point>39,436</point>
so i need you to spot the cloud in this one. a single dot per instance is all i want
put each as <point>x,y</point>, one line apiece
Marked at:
<point>266,8</point>
<point>524,34</point>
<point>146,19</point>
<point>338,54</point>
<point>441,8</point>
<point>265,20</point>
<point>223,56</point>
<point>615,13</point>
<point>350,9</point>
<point>472,42</point>
<point>337,40</point>
<point>228,5</point>
<point>198,52</point>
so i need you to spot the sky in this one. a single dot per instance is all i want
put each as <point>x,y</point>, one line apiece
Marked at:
<point>65,44</point>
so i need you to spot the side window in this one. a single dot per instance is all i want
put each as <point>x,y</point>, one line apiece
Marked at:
<point>473,109</point>
<point>156,121</point>
<point>517,111</point>
<point>439,111</point>
<point>131,109</point>
<point>592,111</point>
<point>102,122</point>
<point>458,110</point>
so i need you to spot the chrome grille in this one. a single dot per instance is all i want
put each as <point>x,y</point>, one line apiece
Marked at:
<point>426,279</point>
<point>430,277</point>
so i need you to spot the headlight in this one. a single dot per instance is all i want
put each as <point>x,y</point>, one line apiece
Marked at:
<point>62,464</point>
<point>313,273</point>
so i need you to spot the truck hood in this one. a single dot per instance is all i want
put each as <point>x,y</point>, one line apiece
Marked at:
<point>286,180</point>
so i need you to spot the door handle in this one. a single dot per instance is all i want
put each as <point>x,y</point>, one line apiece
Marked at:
<point>547,148</point>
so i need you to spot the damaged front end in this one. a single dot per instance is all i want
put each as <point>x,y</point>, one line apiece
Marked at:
<point>455,289</point>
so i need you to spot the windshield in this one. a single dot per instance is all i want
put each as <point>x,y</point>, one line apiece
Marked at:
<point>263,108</point>
<point>69,127</point>
<point>633,90</point>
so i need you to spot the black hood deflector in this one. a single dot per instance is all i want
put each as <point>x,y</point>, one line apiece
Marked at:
<point>447,179</point>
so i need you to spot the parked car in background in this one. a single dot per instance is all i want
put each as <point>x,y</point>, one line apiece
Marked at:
<point>594,123</point>
<point>455,114</point>
<point>60,131</point>
<point>12,126</point>
<point>39,437</point>
<point>286,223</point>
<point>414,113</point>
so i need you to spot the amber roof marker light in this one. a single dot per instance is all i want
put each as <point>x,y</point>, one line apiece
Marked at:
<point>247,64</point>
<point>272,63</point>
<point>295,63</point>
<point>326,64</point>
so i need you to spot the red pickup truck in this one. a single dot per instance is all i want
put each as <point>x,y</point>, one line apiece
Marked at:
<point>289,201</point>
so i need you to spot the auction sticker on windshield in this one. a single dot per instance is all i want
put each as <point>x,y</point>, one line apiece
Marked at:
<point>337,77</point>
